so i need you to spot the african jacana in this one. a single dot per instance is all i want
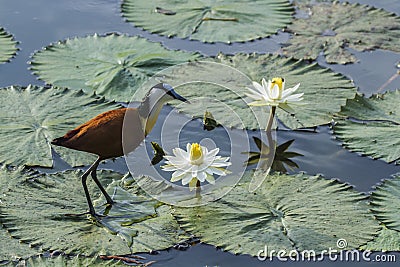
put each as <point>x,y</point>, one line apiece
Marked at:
<point>103,135</point>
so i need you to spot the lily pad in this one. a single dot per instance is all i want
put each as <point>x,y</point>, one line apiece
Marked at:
<point>61,260</point>
<point>387,240</point>
<point>372,126</point>
<point>332,28</point>
<point>386,203</point>
<point>114,66</point>
<point>11,248</point>
<point>31,117</point>
<point>39,211</point>
<point>8,46</point>
<point>223,86</point>
<point>208,20</point>
<point>285,213</point>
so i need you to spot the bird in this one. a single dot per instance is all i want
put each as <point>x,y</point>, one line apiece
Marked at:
<point>114,133</point>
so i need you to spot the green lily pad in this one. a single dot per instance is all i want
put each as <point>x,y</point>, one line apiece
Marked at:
<point>386,203</point>
<point>8,46</point>
<point>387,240</point>
<point>61,260</point>
<point>209,20</point>
<point>220,89</point>
<point>11,248</point>
<point>334,27</point>
<point>114,66</point>
<point>37,212</point>
<point>286,212</point>
<point>372,126</point>
<point>31,117</point>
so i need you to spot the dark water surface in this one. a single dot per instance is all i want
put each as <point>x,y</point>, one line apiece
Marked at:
<point>38,23</point>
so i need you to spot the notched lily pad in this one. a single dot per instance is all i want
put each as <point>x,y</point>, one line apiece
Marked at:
<point>11,248</point>
<point>222,87</point>
<point>387,240</point>
<point>372,126</point>
<point>37,212</point>
<point>210,21</point>
<point>31,117</point>
<point>114,66</point>
<point>386,203</point>
<point>286,212</point>
<point>332,28</point>
<point>8,46</point>
<point>62,260</point>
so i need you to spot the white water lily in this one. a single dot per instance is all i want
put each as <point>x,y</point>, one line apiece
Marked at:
<point>273,93</point>
<point>195,164</point>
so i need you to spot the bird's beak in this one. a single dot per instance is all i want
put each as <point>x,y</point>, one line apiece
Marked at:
<point>179,97</point>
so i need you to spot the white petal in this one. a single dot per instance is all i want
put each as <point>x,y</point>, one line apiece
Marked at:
<point>204,150</point>
<point>275,92</point>
<point>258,87</point>
<point>213,152</point>
<point>217,171</point>
<point>201,176</point>
<point>220,164</point>
<point>176,176</point>
<point>186,178</point>
<point>295,98</point>
<point>290,91</point>
<point>266,86</point>
<point>169,168</point>
<point>180,153</point>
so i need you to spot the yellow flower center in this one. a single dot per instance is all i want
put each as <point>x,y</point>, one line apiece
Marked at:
<point>277,88</point>
<point>278,81</point>
<point>196,154</point>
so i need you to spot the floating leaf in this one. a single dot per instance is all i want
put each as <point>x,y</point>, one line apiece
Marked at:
<point>220,89</point>
<point>334,27</point>
<point>11,248</point>
<point>387,240</point>
<point>210,21</point>
<point>114,66</point>
<point>8,47</point>
<point>36,213</point>
<point>31,117</point>
<point>372,126</point>
<point>286,212</point>
<point>41,261</point>
<point>386,203</point>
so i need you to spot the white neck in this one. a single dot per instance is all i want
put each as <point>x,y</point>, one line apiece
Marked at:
<point>151,107</point>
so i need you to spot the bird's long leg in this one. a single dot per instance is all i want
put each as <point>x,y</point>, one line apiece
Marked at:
<point>106,195</point>
<point>84,179</point>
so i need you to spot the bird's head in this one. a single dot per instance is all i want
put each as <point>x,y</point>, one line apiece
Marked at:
<point>163,92</point>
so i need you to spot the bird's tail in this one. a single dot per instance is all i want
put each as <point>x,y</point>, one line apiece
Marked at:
<point>58,141</point>
<point>61,141</point>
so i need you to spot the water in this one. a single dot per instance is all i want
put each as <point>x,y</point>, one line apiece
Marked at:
<point>38,23</point>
